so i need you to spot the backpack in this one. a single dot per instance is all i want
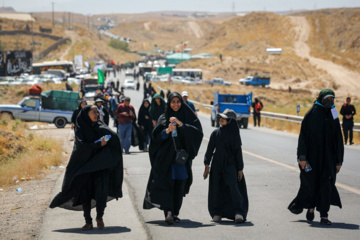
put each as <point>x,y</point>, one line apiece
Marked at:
<point>258,107</point>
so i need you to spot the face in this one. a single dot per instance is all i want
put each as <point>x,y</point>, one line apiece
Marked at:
<point>175,104</point>
<point>146,104</point>
<point>93,114</point>
<point>98,104</point>
<point>127,103</point>
<point>83,104</point>
<point>222,122</point>
<point>185,98</point>
<point>348,101</point>
<point>158,101</point>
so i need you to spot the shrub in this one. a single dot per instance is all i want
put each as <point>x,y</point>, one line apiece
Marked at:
<point>124,46</point>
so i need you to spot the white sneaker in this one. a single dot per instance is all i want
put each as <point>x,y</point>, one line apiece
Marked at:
<point>216,218</point>
<point>239,218</point>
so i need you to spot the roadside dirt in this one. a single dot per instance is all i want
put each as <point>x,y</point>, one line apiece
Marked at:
<point>73,36</point>
<point>21,213</point>
<point>346,79</point>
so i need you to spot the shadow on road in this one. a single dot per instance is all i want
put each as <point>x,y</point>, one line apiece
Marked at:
<point>245,224</point>
<point>106,230</point>
<point>337,225</point>
<point>185,223</point>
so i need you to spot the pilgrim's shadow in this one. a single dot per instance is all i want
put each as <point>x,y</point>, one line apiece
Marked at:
<point>230,222</point>
<point>185,223</point>
<point>95,231</point>
<point>336,225</point>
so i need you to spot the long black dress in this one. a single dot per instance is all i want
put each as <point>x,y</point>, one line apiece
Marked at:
<point>160,188</point>
<point>145,123</point>
<point>227,196</point>
<point>88,158</point>
<point>321,144</point>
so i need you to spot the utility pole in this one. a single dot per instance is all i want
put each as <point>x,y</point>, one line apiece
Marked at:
<point>53,23</point>
<point>69,20</point>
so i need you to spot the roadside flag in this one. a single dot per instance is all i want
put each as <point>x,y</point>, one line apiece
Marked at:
<point>101,76</point>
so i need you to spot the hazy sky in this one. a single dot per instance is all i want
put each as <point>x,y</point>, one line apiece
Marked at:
<point>139,6</point>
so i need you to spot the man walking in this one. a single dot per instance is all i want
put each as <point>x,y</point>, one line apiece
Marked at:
<point>348,111</point>
<point>185,96</point>
<point>257,107</point>
<point>126,114</point>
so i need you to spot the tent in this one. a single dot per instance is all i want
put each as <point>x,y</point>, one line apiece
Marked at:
<point>177,58</point>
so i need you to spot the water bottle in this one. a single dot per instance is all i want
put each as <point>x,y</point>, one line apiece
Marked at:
<point>308,168</point>
<point>106,138</point>
<point>174,133</point>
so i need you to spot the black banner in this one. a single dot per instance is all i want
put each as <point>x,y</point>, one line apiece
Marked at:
<point>15,63</point>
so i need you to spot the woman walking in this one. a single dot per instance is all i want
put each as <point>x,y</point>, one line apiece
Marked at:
<point>157,107</point>
<point>94,174</point>
<point>82,104</point>
<point>178,128</point>
<point>145,122</point>
<point>227,187</point>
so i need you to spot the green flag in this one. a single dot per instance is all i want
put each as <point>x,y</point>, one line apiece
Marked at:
<point>101,76</point>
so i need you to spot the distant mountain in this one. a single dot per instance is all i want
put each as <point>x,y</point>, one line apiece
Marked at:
<point>7,9</point>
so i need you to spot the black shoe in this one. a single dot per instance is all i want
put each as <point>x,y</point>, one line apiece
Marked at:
<point>176,219</point>
<point>310,215</point>
<point>127,152</point>
<point>345,143</point>
<point>351,143</point>
<point>169,220</point>
<point>325,221</point>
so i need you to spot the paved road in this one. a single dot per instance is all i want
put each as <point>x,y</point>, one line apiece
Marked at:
<point>272,180</point>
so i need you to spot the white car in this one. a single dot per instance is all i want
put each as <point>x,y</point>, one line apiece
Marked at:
<point>191,81</point>
<point>129,84</point>
<point>176,79</point>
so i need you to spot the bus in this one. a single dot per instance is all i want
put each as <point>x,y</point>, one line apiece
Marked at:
<point>188,72</point>
<point>67,66</point>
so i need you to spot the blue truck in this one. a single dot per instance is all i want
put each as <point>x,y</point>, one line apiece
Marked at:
<point>255,81</point>
<point>240,104</point>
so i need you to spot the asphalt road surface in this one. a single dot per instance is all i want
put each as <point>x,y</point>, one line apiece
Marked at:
<point>272,178</point>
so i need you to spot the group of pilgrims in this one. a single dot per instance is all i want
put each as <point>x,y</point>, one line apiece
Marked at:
<point>94,174</point>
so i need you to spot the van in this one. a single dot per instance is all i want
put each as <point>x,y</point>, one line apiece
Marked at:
<point>59,73</point>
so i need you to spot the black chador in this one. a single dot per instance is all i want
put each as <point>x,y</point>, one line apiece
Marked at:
<point>227,196</point>
<point>321,146</point>
<point>94,171</point>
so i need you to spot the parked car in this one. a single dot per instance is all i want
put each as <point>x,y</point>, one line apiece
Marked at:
<point>129,84</point>
<point>191,81</point>
<point>129,73</point>
<point>218,81</point>
<point>176,79</point>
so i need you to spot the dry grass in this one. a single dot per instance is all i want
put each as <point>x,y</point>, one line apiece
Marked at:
<point>25,155</point>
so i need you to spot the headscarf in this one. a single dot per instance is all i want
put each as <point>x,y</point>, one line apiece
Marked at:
<point>154,106</point>
<point>230,133</point>
<point>143,111</point>
<point>184,114</point>
<point>85,126</point>
<point>324,94</point>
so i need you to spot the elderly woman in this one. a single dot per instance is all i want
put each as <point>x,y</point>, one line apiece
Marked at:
<point>178,128</point>
<point>227,187</point>
<point>94,174</point>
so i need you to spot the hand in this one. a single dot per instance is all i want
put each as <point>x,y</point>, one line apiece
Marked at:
<point>103,142</point>
<point>72,126</point>
<point>240,175</point>
<point>171,127</point>
<point>303,164</point>
<point>125,114</point>
<point>146,117</point>
<point>154,123</point>
<point>174,119</point>
<point>132,114</point>
<point>206,171</point>
<point>338,168</point>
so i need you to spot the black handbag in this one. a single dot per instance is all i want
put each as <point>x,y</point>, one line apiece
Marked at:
<point>181,155</point>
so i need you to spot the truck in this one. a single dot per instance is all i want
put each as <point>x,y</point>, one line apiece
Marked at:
<point>240,104</point>
<point>255,81</point>
<point>218,81</point>
<point>88,88</point>
<point>51,106</point>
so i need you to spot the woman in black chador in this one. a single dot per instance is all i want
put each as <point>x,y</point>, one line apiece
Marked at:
<point>144,121</point>
<point>227,187</point>
<point>320,155</point>
<point>169,182</point>
<point>94,174</point>
<point>82,104</point>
